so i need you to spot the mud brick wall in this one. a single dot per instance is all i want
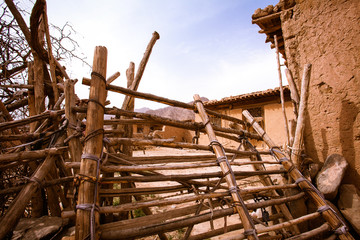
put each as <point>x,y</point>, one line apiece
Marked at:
<point>327,35</point>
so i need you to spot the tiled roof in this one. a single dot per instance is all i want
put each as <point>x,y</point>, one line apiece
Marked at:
<point>259,95</point>
<point>268,19</point>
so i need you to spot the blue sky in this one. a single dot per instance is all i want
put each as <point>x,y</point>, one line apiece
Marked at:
<point>206,47</point>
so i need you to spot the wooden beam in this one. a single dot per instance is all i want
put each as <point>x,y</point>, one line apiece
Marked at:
<point>87,218</point>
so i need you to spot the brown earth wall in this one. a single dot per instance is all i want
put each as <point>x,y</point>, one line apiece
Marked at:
<point>274,124</point>
<point>327,35</point>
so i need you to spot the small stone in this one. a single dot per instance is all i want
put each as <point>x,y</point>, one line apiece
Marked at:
<point>329,178</point>
<point>349,205</point>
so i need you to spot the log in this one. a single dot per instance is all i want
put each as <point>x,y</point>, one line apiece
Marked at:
<point>159,202</point>
<point>8,117</point>
<point>75,146</point>
<point>140,191</point>
<point>135,84</point>
<point>27,86</point>
<point>39,84</point>
<point>126,233</point>
<point>129,104</point>
<point>151,97</point>
<point>52,63</point>
<point>18,104</point>
<point>282,225</point>
<point>88,221</point>
<point>266,18</point>
<point>154,219</point>
<point>31,155</point>
<point>162,143</point>
<point>44,115</point>
<point>225,168</point>
<point>170,189</point>
<point>300,124</point>
<point>182,177</point>
<point>282,91</point>
<point>294,93</point>
<point>25,137</point>
<point>227,229</point>
<point>314,194</point>
<point>140,168</point>
<point>313,233</point>
<point>205,158</point>
<point>129,121</point>
<point>44,184</point>
<point>17,208</point>
<point>112,78</point>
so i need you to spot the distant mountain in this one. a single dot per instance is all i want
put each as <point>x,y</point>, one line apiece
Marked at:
<point>142,110</point>
<point>176,113</point>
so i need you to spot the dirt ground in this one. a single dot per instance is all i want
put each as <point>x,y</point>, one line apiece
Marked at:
<point>203,227</point>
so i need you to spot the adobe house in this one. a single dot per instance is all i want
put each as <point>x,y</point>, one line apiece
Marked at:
<point>265,105</point>
<point>327,35</point>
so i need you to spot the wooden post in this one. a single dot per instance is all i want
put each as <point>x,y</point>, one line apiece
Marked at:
<point>266,181</point>
<point>128,129</point>
<point>141,69</point>
<point>281,91</point>
<point>52,63</point>
<point>31,96</point>
<point>87,216</point>
<point>300,124</point>
<point>75,146</point>
<point>329,215</point>
<point>226,169</point>
<point>294,93</point>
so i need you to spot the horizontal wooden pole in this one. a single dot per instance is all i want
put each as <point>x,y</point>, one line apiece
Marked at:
<point>127,233</point>
<point>283,225</point>
<point>27,155</point>
<point>25,137</point>
<point>161,143</point>
<point>44,184</point>
<point>181,177</point>
<point>16,123</point>
<point>140,191</point>
<point>169,189</point>
<point>156,218</point>
<point>159,202</point>
<point>17,104</point>
<point>229,228</point>
<point>312,233</point>
<point>127,122</point>
<point>194,126</point>
<point>151,97</point>
<point>31,87</point>
<point>116,168</point>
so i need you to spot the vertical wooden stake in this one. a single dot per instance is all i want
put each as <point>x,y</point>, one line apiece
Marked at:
<point>141,69</point>
<point>294,93</point>
<point>51,57</point>
<point>31,96</point>
<point>87,195</point>
<point>281,90</point>
<point>300,124</point>
<point>75,146</point>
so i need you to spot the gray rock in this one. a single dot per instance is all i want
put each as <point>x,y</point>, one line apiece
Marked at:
<point>37,228</point>
<point>329,178</point>
<point>349,205</point>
